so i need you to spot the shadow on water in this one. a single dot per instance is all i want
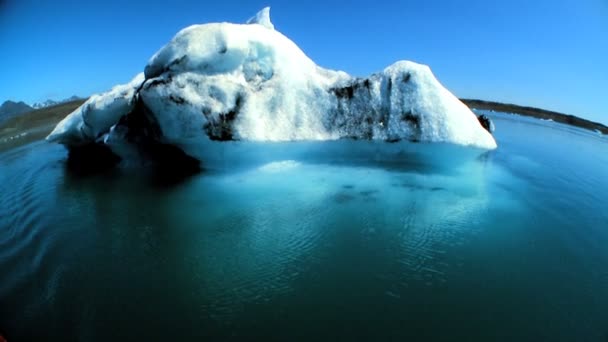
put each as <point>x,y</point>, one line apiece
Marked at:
<point>155,177</point>
<point>90,159</point>
<point>167,165</point>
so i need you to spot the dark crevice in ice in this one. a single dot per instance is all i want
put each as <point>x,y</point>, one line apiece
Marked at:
<point>348,91</point>
<point>141,124</point>
<point>143,131</point>
<point>373,122</point>
<point>219,128</point>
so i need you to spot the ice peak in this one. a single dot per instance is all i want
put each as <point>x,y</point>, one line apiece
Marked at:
<point>262,18</point>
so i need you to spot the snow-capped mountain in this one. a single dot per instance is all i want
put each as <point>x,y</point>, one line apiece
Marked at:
<point>49,102</point>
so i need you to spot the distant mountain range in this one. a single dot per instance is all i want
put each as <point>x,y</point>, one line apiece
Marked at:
<point>49,103</point>
<point>10,109</point>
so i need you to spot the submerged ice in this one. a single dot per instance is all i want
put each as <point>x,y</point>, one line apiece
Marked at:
<point>248,82</point>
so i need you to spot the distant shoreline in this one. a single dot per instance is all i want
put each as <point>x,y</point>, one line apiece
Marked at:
<point>536,113</point>
<point>37,124</point>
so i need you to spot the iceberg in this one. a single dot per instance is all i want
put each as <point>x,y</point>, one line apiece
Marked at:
<point>249,82</point>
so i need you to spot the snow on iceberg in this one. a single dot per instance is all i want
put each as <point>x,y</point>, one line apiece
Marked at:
<point>262,18</point>
<point>224,81</point>
<point>97,115</point>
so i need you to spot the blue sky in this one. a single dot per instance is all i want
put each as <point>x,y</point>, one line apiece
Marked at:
<point>548,54</point>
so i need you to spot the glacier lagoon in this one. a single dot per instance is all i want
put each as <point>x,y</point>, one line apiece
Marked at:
<point>508,245</point>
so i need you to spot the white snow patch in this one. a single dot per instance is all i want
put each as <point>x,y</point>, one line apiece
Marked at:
<point>95,117</point>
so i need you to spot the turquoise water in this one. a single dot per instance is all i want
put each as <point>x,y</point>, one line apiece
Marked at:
<point>361,241</point>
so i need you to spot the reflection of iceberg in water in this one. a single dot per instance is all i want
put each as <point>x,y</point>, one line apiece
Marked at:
<point>289,219</point>
<point>433,157</point>
<point>253,249</point>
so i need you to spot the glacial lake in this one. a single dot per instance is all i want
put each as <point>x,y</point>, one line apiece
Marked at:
<point>510,245</point>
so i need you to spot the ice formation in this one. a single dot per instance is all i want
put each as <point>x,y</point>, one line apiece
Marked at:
<point>248,82</point>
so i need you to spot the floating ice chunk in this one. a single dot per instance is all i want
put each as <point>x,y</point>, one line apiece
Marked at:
<point>224,81</point>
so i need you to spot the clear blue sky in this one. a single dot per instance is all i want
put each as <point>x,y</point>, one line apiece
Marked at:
<point>548,54</point>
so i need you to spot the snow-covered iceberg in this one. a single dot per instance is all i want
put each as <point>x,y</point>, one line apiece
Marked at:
<point>248,82</point>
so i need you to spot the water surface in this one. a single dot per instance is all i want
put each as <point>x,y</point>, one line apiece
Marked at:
<point>507,245</point>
